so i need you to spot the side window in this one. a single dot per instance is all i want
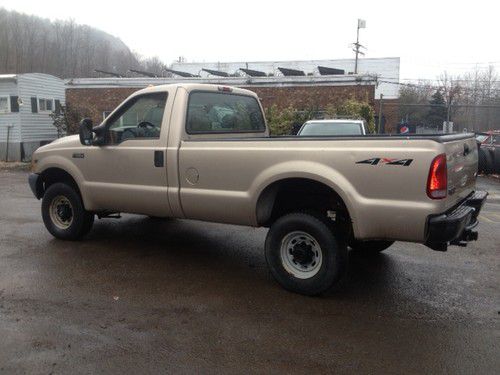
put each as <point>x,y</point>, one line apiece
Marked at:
<point>140,117</point>
<point>45,105</point>
<point>214,112</point>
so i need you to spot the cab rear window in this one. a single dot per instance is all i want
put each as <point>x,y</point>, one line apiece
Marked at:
<point>214,112</point>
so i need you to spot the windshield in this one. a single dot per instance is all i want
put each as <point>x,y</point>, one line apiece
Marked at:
<point>331,128</point>
<point>481,137</point>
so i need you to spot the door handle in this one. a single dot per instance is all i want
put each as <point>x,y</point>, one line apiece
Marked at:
<point>159,159</point>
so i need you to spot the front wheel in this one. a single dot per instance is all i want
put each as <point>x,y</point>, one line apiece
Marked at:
<point>63,213</point>
<point>304,254</point>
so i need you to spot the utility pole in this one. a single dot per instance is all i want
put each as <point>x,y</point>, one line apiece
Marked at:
<point>7,145</point>
<point>448,108</point>
<point>380,114</point>
<point>357,46</point>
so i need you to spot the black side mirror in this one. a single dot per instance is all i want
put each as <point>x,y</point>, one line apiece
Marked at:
<point>86,132</point>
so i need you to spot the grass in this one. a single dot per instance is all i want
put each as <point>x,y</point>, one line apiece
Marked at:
<point>14,166</point>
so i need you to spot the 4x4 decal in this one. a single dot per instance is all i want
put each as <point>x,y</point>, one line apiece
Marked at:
<point>387,161</point>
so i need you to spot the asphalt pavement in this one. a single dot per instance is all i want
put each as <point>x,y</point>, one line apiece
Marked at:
<point>147,296</point>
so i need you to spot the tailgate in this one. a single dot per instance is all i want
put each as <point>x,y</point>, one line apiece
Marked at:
<point>461,158</point>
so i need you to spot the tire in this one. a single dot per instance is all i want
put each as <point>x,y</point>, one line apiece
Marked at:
<point>481,164</point>
<point>488,163</point>
<point>158,218</point>
<point>496,161</point>
<point>304,254</point>
<point>370,247</point>
<point>63,213</point>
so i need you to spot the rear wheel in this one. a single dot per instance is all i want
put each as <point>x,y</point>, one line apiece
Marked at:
<point>370,247</point>
<point>63,213</point>
<point>304,254</point>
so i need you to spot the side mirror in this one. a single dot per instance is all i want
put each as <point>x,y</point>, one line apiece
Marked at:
<point>86,132</point>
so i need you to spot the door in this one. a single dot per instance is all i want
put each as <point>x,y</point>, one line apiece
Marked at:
<point>128,173</point>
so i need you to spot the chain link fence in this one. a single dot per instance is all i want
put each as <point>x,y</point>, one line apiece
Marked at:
<point>427,118</point>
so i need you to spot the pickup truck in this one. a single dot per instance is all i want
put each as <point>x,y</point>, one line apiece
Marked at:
<point>204,152</point>
<point>332,127</point>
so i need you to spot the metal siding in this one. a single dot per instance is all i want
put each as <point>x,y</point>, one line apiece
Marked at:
<point>9,88</point>
<point>38,126</point>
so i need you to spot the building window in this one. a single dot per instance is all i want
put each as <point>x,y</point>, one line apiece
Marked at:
<point>45,105</point>
<point>4,104</point>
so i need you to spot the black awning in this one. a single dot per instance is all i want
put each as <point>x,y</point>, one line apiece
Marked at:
<point>253,73</point>
<point>326,71</point>
<point>291,72</point>
<point>216,72</point>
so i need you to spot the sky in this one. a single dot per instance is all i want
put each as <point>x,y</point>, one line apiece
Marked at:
<point>430,37</point>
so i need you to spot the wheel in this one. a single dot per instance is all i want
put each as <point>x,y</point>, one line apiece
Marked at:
<point>481,164</point>
<point>304,254</point>
<point>63,213</point>
<point>370,247</point>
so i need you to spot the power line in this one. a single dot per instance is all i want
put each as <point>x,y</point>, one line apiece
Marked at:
<point>439,87</point>
<point>439,80</point>
<point>399,104</point>
<point>458,63</point>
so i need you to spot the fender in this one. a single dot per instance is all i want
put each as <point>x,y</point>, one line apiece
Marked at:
<point>61,162</point>
<point>312,171</point>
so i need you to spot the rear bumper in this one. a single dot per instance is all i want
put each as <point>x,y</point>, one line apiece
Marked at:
<point>455,227</point>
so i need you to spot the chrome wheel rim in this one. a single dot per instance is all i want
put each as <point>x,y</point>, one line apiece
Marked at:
<point>61,212</point>
<point>301,255</point>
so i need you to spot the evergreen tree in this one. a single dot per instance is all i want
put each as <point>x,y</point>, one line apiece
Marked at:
<point>437,110</point>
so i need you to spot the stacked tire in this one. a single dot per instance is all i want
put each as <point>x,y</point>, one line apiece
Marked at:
<point>486,160</point>
<point>496,160</point>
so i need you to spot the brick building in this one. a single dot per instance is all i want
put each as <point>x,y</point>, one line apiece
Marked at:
<point>97,97</point>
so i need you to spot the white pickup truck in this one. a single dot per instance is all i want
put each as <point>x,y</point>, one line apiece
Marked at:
<point>317,128</point>
<point>204,152</point>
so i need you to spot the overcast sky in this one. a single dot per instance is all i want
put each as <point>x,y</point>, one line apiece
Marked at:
<point>429,36</point>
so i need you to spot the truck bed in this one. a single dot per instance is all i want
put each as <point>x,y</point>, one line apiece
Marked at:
<point>374,175</point>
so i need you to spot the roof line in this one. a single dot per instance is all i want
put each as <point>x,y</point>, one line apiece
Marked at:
<point>281,61</point>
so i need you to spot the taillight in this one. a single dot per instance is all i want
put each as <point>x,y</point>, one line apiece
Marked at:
<point>437,183</point>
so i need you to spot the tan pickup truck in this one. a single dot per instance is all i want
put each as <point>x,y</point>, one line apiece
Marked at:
<point>204,152</point>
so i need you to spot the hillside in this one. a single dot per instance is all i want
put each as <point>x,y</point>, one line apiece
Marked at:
<point>62,48</point>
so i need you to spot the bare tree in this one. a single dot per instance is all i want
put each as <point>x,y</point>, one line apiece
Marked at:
<point>63,48</point>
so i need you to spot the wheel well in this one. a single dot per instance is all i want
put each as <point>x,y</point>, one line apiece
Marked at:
<point>53,175</point>
<point>296,194</point>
